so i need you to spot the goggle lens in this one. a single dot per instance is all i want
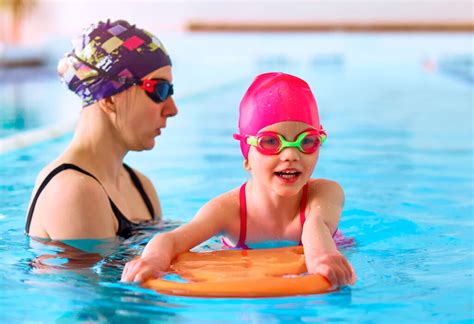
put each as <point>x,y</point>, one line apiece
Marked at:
<point>269,143</point>
<point>157,90</point>
<point>164,90</point>
<point>310,143</point>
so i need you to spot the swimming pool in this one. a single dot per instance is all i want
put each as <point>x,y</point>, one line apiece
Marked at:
<point>399,142</point>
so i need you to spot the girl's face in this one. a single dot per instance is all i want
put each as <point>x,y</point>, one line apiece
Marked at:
<point>139,118</point>
<point>288,171</point>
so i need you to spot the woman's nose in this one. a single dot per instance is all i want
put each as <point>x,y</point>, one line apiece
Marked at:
<point>170,109</point>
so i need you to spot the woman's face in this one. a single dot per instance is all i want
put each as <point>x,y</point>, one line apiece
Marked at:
<point>140,119</point>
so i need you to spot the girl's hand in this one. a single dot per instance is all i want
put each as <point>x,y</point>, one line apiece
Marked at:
<point>142,268</point>
<point>335,268</point>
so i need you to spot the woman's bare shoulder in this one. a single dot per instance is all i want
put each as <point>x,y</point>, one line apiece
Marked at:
<point>73,205</point>
<point>150,191</point>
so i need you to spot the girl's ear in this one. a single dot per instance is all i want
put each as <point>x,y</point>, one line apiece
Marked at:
<point>247,165</point>
<point>108,105</point>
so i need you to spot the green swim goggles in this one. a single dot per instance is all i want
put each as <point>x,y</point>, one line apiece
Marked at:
<point>271,143</point>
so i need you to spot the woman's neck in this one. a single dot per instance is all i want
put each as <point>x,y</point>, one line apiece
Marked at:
<point>97,145</point>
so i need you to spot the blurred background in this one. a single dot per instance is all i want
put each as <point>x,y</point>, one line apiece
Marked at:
<point>37,21</point>
<point>232,39</point>
<point>34,22</point>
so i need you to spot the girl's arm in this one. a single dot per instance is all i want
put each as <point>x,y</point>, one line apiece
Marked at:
<point>321,253</point>
<point>210,220</point>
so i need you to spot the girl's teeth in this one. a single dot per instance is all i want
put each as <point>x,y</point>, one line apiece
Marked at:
<point>287,174</point>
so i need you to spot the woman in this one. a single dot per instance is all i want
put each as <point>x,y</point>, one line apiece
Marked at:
<point>123,76</point>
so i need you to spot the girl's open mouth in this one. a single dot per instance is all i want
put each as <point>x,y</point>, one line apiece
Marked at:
<point>288,176</point>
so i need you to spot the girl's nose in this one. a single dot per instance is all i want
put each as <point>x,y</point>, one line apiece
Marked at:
<point>290,154</point>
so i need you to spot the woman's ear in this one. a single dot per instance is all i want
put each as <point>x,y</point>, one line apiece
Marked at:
<point>108,105</point>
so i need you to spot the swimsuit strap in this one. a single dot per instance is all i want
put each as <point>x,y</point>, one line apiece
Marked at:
<point>243,214</point>
<point>124,224</point>
<point>51,175</point>
<point>243,218</point>
<point>138,184</point>
<point>304,199</point>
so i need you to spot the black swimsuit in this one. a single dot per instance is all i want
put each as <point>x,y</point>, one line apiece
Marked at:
<point>126,227</point>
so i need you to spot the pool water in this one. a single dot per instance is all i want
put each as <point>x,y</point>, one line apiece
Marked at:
<point>400,134</point>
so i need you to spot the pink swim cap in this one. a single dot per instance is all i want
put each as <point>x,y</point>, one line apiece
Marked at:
<point>272,98</point>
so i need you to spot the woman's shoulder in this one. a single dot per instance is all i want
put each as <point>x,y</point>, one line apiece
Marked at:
<point>71,205</point>
<point>144,180</point>
<point>71,188</point>
<point>149,190</point>
<point>66,181</point>
<point>58,172</point>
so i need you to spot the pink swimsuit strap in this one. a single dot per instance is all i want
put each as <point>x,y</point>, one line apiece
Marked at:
<point>304,198</point>
<point>243,215</point>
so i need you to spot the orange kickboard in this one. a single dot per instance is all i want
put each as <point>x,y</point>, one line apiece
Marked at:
<point>242,273</point>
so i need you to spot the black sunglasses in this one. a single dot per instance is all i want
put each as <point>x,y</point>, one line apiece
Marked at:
<point>157,90</point>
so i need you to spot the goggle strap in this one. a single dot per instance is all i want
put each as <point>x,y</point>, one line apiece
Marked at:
<point>323,138</point>
<point>102,73</point>
<point>251,140</point>
<point>148,85</point>
<point>238,137</point>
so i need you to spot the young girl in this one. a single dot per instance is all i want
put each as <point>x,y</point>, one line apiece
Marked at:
<point>280,135</point>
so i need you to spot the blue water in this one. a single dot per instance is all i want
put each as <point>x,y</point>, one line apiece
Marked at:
<point>400,143</point>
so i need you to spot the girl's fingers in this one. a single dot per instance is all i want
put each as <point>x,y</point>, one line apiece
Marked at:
<point>350,273</point>
<point>130,269</point>
<point>329,274</point>
<point>125,273</point>
<point>336,269</point>
<point>141,276</point>
<point>353,275</point>
<point>139,270</point>
<point>347,271</point>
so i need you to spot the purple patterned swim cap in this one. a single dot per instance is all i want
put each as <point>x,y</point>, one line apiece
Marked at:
<point>107,56</point>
